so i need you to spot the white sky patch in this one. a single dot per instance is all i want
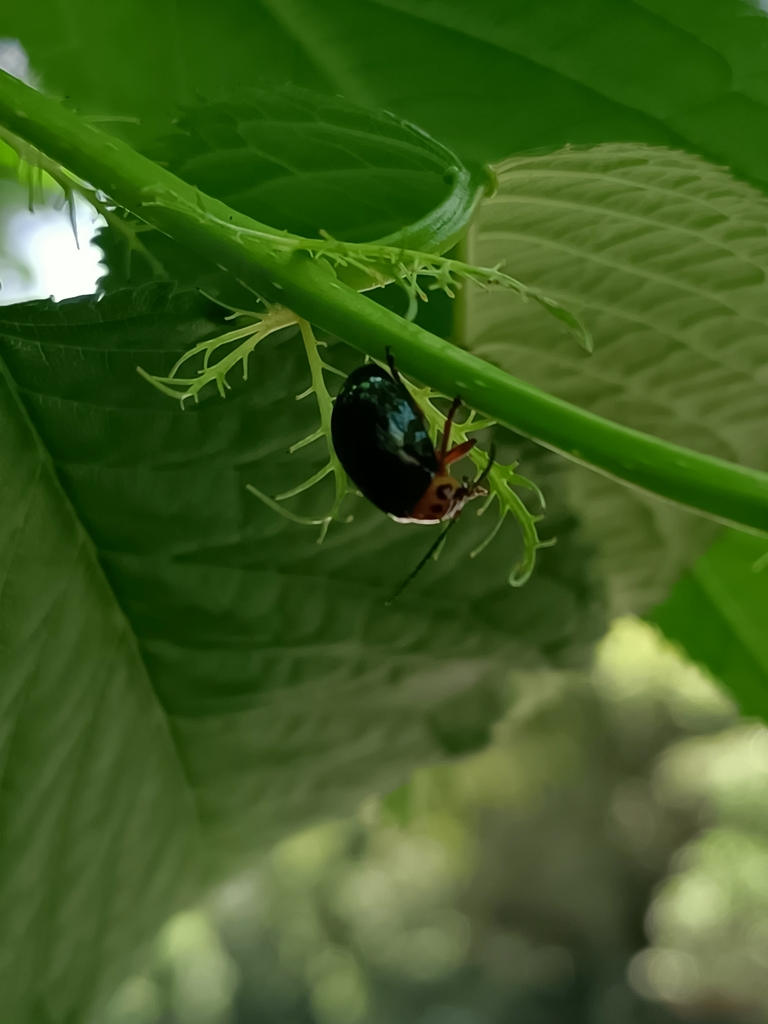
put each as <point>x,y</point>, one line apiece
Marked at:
<point>46,262</point>
<point>14,60</point>
<point>39,257</point>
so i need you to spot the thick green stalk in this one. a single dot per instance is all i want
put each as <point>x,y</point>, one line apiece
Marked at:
<point>719,489</point>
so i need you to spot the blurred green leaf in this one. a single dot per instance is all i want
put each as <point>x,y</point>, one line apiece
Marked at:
<point>717,612</point>
<point>487,77</point>
<point>284,689</point>
<point>492,77</point>
<point>140,60</point>
<point>664,258</point>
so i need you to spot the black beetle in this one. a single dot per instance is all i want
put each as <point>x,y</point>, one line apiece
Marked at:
<point>381,438</point>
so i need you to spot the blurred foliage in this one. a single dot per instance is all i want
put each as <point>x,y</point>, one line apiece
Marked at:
<point>717,612</point>
<point>513,884</point>
<point>12,263</point>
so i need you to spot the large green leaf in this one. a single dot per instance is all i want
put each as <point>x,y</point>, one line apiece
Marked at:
<point>664,257</point>
<point>717,611</point>
<point>280,688</point>
<point>100,829</point>
<point>487,77</point>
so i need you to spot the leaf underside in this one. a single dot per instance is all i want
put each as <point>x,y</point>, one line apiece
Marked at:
<point>664,257</point>
<point>280,688</point>
<point>100,829</point>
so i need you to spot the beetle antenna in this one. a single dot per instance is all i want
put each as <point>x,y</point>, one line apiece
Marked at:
<point>484,475</point>
<point>393,597</point>
<point>391,364</point>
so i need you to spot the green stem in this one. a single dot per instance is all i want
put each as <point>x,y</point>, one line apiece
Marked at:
<point>722,490</point>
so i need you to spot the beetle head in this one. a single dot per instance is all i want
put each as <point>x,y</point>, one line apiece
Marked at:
<point>443,499</point>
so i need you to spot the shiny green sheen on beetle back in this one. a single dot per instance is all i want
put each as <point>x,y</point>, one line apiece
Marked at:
<point>381,439</point>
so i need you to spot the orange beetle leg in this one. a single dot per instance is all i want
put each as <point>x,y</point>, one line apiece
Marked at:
<point>447,432</point>
<point>458,452</point>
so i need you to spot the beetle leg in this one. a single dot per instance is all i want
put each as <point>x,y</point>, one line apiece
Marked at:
<point>443,454</point>
<point>457,453</point>
<point>491,459</point>
<point>391,364</point>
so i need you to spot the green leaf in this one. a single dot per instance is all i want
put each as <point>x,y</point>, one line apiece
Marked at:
<point>717,612</point>
<point>487,77</point>
<point>547,74</point>
<point>311,165</point>
<point>641,544</point>
<point>282,689</point>
<point>664,258</point>
<point>100,831</point>
<point>140,60</point>
<point>303,162</point>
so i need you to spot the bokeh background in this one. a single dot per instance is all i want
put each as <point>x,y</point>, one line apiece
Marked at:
<point>605,859</point>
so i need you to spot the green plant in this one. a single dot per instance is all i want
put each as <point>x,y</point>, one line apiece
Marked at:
<point>191,670</point>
